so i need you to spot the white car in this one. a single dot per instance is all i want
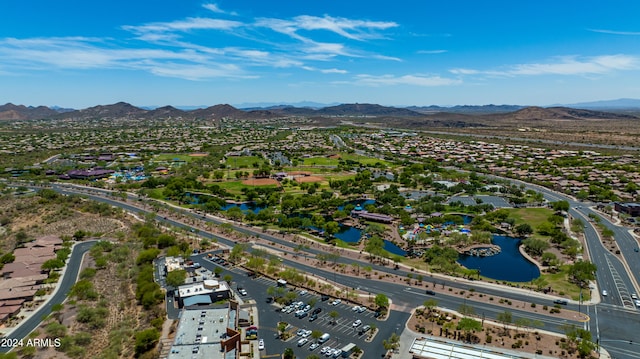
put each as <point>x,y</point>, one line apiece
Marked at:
<point>336,302</point>
<point>303,292</point>
<point>324,350</point>
<point>637,303</point>
<point>314,346</point>
<point>357,323</point>
<point>261,344</point>
<point>604,293</point>
<point>300,332</point>
<point>302,342</point>
<point>242,291</point>
<point>634,296</point>
<point>306,333</point>
<point>356,308</point>
<point>362,309</point>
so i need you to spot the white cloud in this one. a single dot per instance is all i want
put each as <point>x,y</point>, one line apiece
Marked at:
<point>565,65</point>
<point>348,28</point>
<point>163,48</point>
<point>334,71</point>
<point>213,7</point>
<point>614,32</point>
<point>429,52</point>
<point>196,23</point>
<point>351,29</point>
<point>325,71</point>
<point>414,80</point>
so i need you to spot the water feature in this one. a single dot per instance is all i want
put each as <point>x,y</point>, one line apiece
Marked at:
<point>353,235</point>
<point>393,249</point>
<point>244,207</point>
<point>508,265</point>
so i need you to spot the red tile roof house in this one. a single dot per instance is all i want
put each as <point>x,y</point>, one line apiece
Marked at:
<point>22,278</point>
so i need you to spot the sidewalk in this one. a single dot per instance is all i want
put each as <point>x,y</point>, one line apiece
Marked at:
<point>410,341</point>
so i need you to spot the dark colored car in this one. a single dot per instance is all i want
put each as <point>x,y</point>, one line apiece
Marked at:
<point>324,297</point>
<point>561,301</point>
<point>316,311</point>
<point>430,292</point>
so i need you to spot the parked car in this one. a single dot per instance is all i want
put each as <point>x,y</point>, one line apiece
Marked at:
<point>317,311</point>
<point>314,346</point>
<point>336,302</point>
<point>324,297</point>
<point>242,291</point>
<point>302,342</point>
<point>357,323</point>
<point>364,329</point>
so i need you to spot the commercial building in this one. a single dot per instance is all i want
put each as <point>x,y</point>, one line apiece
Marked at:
<point>202,293</point>
<point>207,332</point>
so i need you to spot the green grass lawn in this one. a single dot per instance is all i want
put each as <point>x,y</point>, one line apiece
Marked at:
<point>559,282</point>
<point>320,161</point>
<point>168,157</point>
<point>243,161</point>
<point>533,216</point>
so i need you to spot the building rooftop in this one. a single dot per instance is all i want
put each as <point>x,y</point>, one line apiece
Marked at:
<point>200,334</point>
<point>207,287</point>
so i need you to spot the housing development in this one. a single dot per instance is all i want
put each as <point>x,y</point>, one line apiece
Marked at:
<point>294,233</point>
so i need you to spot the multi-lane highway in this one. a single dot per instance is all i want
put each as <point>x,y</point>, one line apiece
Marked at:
<point>612,322</point>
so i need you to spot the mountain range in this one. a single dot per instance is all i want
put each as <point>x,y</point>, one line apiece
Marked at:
<point>11,112</point>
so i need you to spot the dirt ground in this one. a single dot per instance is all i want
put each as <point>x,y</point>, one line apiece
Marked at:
<point>492,334</point>
<point>309,179</point>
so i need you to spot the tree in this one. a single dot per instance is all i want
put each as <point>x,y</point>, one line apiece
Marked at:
<point>523,229</point>
<point>393,343</point>
<point>469,325</point>
<point>505,318</point>
<point>282,328</point>
<point>382,301</point>
<point>535,246</point>
<point>374,246</point>
<point>52,264</point>
<point>176,278</point>
<point>146,340</point>
<point>430,305</point>
<point>334,316</point>
<point>316,334</point>
<point>582,272</point>
<point>560,206</point>
<point>289,354</point>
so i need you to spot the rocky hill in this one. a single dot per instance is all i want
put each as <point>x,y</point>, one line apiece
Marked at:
<point>123,110</point>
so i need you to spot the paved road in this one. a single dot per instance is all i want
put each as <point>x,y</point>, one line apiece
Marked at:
<point>610,271</point>
<point>68,280</point>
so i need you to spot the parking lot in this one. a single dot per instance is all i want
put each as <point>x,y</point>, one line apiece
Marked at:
<point>341,333</point>
<point>347,327</point>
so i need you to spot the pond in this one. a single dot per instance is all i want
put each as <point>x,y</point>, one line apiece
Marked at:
<point>352,235</point>
<point>508,265</point>
<point>244,207</point>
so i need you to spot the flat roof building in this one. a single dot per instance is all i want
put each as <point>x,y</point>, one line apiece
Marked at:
<point>207,332</point>
<point>202,293</point>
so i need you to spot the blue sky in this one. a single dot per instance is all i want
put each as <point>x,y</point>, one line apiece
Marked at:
<point>74,53</point>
